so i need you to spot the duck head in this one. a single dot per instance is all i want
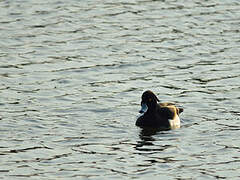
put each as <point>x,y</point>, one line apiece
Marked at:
<point>149,101</point>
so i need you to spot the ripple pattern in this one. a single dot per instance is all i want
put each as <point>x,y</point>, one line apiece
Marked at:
<point>72,74</point>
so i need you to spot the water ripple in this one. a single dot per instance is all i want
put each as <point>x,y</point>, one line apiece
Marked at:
<point>72,74</point>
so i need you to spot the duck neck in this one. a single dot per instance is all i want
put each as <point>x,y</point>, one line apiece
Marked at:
<point>151,107</point>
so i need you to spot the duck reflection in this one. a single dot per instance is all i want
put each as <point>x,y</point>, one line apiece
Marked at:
<point>151,131</point>
<point>147,139</point>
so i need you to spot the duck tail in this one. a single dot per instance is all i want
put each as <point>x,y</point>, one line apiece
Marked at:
<point>179,110</point>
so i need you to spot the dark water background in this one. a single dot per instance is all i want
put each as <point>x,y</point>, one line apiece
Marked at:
<point>72,74</point>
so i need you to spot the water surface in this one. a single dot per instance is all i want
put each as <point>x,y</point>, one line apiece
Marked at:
<point>72,74</point>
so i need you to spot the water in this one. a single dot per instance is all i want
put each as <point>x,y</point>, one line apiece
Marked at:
<point>72,74</point>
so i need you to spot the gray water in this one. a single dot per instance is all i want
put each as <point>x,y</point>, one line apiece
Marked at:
<point>72,74</point>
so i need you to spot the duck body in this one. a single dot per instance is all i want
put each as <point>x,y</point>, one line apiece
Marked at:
<point>158,115</point>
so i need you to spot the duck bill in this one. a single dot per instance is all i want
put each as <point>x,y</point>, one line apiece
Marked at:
<point>144,108</point>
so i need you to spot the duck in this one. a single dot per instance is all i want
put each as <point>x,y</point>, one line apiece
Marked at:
<point>156,114</point>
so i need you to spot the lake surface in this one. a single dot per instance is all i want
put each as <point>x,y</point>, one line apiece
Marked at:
<point>73,72</point>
